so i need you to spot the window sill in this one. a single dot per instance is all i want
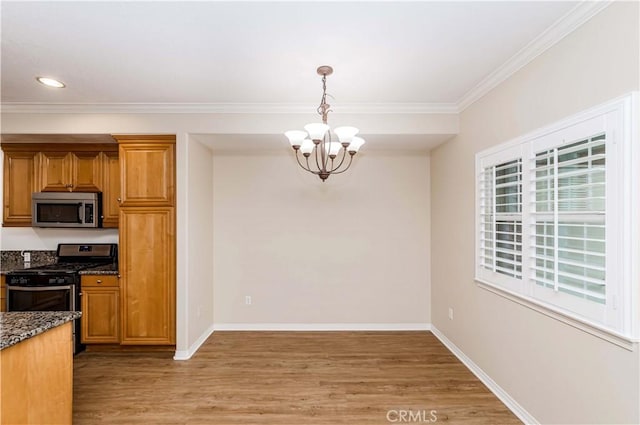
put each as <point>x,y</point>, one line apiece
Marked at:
<point>608,335</point>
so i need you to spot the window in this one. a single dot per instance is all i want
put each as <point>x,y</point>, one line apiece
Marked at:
<point>501,234</point>
<point>555,218</point>
<point>574,261</point>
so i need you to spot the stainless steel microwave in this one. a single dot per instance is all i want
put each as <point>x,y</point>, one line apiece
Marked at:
<point>66,209</point>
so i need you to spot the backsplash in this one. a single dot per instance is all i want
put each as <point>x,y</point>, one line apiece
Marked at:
<point>12,260</point>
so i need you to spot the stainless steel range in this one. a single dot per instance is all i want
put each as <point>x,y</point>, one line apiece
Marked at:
<point>56,287</point>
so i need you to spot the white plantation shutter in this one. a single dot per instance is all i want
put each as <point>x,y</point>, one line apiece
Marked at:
<point>568,226</point>
<point>487,237</point>
<point>501,218</point>
<point>557,222</point>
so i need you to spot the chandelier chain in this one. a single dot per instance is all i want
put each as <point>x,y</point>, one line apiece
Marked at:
<point>324,108</point>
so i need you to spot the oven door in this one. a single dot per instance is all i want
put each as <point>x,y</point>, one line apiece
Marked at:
<point>46,298</point>
<point>41,298</point>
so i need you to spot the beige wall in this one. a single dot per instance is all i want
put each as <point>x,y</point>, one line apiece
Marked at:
<point>199,294</point>
<point>353,250</point>
<point>557,373</point>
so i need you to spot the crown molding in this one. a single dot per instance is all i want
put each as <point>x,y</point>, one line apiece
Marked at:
<point>568,23</point>
<point>224,108</point>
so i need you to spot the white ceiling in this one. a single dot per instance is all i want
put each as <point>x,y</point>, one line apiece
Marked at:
<point>413,62</point>
<point>262,52</point>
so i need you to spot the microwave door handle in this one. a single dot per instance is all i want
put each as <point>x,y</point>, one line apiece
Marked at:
<point>80,212</point>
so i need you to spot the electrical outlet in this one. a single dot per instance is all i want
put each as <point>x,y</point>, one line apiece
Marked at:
<point>27,257</point>
<point>247,300</point>
<point>450,313</point>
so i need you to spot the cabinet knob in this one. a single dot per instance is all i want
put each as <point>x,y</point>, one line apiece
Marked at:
<point>119,200</point>
<point>98,281</point>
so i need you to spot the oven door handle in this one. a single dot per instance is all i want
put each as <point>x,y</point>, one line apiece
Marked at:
<point>37,288</point>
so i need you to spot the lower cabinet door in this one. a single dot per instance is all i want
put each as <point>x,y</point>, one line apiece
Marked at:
<point>148,282</point>
<point>100,312</point>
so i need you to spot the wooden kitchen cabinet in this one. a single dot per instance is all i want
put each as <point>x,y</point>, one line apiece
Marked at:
<point>86,172</point>
<point>19,183</point>
<point>147,171</point>
<point>70,171</point>
<point>100,309</point>
<point>147,264</point>
<point>37,379</point>
<point>110,189</point>
<point>147,250</point>
<point>59,167</point>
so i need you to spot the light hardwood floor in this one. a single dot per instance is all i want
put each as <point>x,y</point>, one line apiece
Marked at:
<point>286,378</point>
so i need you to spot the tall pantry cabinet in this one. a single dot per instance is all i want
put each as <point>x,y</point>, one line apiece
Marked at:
<point>147,254</point>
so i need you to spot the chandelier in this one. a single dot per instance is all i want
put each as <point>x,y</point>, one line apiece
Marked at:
<point>318,142</point>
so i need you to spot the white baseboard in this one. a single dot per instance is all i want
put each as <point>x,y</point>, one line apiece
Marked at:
<point>512,404</point>
<point>186,354</point>
<point>322,326</point>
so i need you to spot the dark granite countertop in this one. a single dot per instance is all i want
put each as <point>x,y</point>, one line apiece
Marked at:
<point>20,325</point>
<point>12,260</point>
<point>107,269</point>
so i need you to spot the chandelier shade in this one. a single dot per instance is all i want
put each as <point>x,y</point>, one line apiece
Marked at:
<point>345,134</point>
<point>328,153</point>
<point>296,137</point>
<point>307,146</point>
<point>316,130</point>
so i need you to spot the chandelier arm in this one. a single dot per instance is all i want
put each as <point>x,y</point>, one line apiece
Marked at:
<point>310,170</point>
<point>326,151</point>
<point>348,165</point>
<point>344,154</point>
<point>307,168</point>
<point>323,153</point>
<point>315,154</point>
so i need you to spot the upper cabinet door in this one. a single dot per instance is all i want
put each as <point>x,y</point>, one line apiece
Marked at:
<point>110,189</point>
<point>147,173</point>
<point>19,172</point>
<point>55,171</point>
<point>70,171</point>
<point>86,171</point>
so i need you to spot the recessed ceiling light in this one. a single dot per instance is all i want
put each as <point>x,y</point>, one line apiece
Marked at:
<point>50,82</point>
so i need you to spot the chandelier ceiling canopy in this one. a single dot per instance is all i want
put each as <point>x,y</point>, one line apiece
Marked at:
<point>316,141</point>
